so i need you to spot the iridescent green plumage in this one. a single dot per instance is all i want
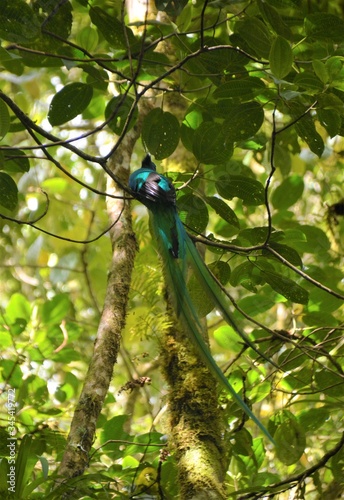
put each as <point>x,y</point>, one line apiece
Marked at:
<point>177,251</point>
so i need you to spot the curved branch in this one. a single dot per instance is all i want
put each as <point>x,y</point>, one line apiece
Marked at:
<point>27,223</point>
<point>303,274</point>
<point>298,478</point>
<point>255,248</point>
<point>40,217</point>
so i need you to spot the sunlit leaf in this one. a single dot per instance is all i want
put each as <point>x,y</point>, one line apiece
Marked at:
<point>223,210</point>
<point>256,34</point>
<point>116,34</point>
<point>227,338</point>
<point>313,418</point>
<point>56,309</point>
<point>16,160</point>
<point>193,212</point>
<point>323,25</point>
<point>243,89</point>
<point>246,188</point>
<point>273,18</point>
<point>4,119</point>
<point>8,192</point>
<point>310,81</point>
<point>160,133</point>
<point>243,121</point>
<point>306,129</point>
<point>118,108</point>
<point>285,251</point>
<point>288,192</point>
<point>18,307</point>
<point>290,442</point>
<point>18,22</point>
<point>286,287</point>
<point>210,145</point>
<point>280,57</point>
<point>171,7</point>
<point>69,102</point>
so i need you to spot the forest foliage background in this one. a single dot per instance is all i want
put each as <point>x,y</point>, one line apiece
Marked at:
<point>242,104</point>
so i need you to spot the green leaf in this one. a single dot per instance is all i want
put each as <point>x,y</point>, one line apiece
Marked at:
<point>11,372</point>
<point>312,419</point>
<point>226,337</point>
<point>287,252</point>
<point>320,70</point>
<point>244,121</point>
<point>199,297</point>
<point>121,107</point>
<point>246,275</point>
<point>319,300</point>
<point>306,129</point>
<point>150,438</point>
<point>286,287</point>
<point>226,62</point>
<point>18,22</point>
<point>113,429</point>
<point>280,57</point>
<point>87,38</point>
<point>319,318</point>
<point>8,192</point>
<point>330,383</point>
<point>160,133</point>
<point>26,460</point>
<point>316,240</point>
<point>256,304</point>
<point>12,62</point>
<point>171,7</point>
<point>210,145</point>
<point>18,307</point>
<point>69,102</point>
<point>58,21</point>
<point>321,25</point>
<point>4,119</point>
<point>275,21</point>
<point>16,161</point>
<point>193,211</point>
<point>243,89</point>
<point>249,190</point>
<point>337,466</point>
<point>309,81</point>
<point>223,210</point>
<point>255,235</point>
<point>114,32</point>
<point>290,442</point>
<point>221,270</point>
<point>256,35</point>
<point>331,120</point>
<point>260,392</point>
<point>334,67</point>
<point>288,192</point>
<point>56,309</point>
<point>99,79</point>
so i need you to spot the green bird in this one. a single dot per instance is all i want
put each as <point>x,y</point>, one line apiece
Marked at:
<point>177,251</point>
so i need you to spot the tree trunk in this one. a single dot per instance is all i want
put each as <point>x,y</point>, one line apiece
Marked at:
<point>196,424</point>
<point>112,321</point>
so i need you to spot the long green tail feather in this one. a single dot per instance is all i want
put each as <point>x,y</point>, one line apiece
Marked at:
<point>157,193</point>
<point>175,270</point>
<point>216,295</point>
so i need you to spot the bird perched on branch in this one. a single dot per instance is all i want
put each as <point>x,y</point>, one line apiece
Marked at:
<point>177,252</point>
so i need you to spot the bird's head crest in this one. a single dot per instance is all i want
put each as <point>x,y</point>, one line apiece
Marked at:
<point>147,163</point>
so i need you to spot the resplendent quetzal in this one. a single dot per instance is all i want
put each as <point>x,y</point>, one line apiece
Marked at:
<point>177,251</point>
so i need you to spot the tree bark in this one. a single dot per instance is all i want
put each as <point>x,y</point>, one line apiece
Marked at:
<point>112,321</point>
<point>195,421</point>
